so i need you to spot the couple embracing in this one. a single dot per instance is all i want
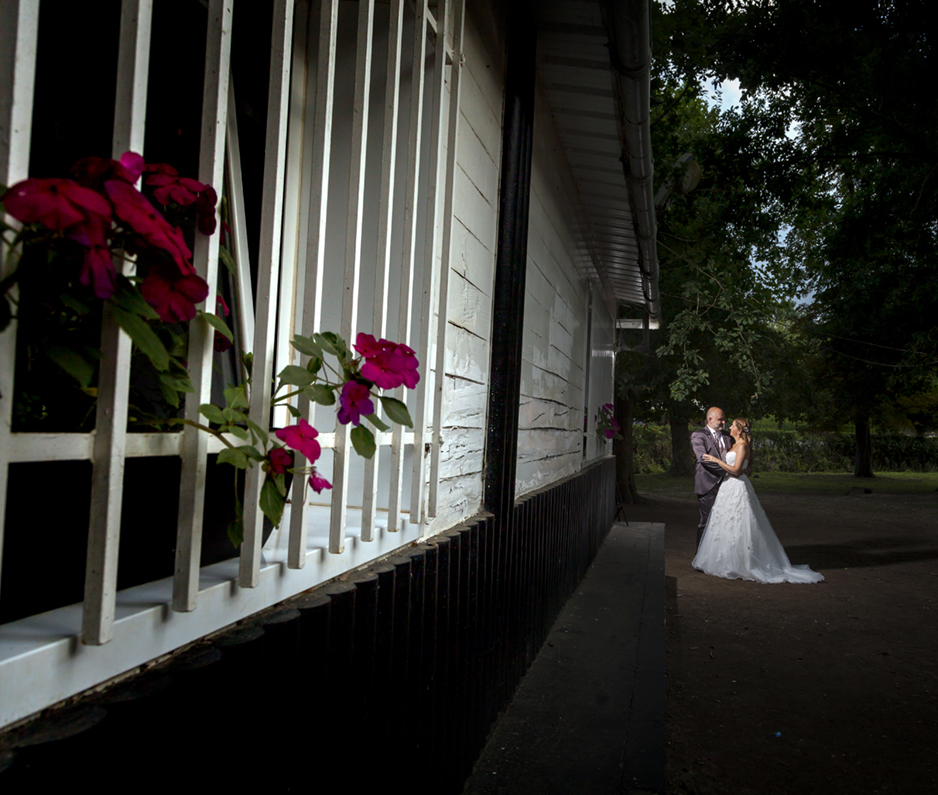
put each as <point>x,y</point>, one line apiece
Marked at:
<point>735,538</point>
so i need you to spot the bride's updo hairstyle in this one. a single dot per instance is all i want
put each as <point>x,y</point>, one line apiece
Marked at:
<point>745,430</point>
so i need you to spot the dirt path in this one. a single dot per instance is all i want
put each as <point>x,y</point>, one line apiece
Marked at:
<point>827,688</point>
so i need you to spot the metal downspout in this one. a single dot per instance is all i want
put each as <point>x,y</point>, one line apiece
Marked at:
<point>628,23</point>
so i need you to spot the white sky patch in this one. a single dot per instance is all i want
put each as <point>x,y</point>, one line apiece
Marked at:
<point>727,96</point>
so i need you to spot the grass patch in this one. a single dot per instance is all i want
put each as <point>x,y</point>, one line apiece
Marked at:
<point>820,483</point>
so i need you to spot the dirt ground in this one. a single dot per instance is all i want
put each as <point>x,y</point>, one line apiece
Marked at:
<point>826,688</point>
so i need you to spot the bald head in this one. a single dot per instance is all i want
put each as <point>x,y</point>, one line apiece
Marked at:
<point>715,418</point>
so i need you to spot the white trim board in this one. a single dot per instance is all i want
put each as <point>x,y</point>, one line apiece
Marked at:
<point>42,660</point>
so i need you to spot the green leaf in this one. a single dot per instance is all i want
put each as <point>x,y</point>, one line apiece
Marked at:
<point>231,415</point>
<point>218,324</point>
<point>212,413</point>
<point>180,383</point>
<point>237,430</point>
<point>373,419</point>
<point>236,531</point>
<point>295,376</point>
<point>73,363</point>
<point>281,482</point>
<point>323,342</point>
<point>294,411</point>
<point>128,297</point>
<point>314,365</point>
<point>397,411</point>
<point>227,260</point>
<point>144,337</point>
<point>170,393</point>
<point>271,501</point>
<point>236,397</point>
<point>251,452</point>
<point>363,441</point>
<point>247,359</point>
<point>307,346</point>
<point>259,432</point>
<point>78,307</point>
<point>321,394</point>
<point>233,456</point>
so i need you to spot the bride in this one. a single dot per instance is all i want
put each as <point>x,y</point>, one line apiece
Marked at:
<point>738,541</point>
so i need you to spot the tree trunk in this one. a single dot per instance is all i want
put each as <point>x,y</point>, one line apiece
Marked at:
<point>682,457</point>
<point>864,464</point>
<point>624,449</point>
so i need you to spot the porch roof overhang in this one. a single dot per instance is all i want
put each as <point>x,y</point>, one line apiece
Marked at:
<point>593,60</point>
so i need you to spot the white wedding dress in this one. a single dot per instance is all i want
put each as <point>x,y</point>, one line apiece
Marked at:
<point>739,542</point>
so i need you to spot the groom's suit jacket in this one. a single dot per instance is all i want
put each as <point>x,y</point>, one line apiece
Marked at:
<point>707,474</point>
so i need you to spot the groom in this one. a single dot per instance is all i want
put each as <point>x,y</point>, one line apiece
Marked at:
<point>714,440</point>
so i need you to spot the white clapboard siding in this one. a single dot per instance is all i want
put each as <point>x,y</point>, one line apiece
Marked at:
<point>107,478</point>
<point>320,95</point>
<point>392,95</point>
<point>353,250</point>
<point>19,25</point>
<point>267,277</point>
<point>205,260</point>
<point>406,276</point>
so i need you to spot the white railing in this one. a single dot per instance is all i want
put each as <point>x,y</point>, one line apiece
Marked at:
<point>292,283</point>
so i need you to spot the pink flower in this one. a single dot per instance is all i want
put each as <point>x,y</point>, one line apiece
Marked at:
<point>57,204</point>
<point>318,483</point>
<point>355,400</point>
<point>97,267</point>
<point>93,172</point>
<point>159,168</point>
<point>302,437</point>
<point>171,188</point>
<point>173,296</point>
<point>610,433</point>
<point>279,461</point>
<point>205,211</point>
<point>221,343</point>
<point>387,364</point>
<point>133,209</point>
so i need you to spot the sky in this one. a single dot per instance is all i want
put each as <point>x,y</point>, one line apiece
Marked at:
<point>729,94</point>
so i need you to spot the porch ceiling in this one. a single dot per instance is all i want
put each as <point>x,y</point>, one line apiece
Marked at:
<point>576,74</point>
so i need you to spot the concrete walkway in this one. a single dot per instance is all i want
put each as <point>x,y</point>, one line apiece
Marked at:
<point>589,716</point>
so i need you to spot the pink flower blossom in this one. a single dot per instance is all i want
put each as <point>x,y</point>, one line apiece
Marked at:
<point>173,296</point>
<point>170,188</point>
<point>133,209</point>
<point>610,433</point>
<point>205,211</point>
<point>221,343</point>
<point>302,437</point>
<point>57,204</point>
<point>97,269</point>
<point>318,483</point>
<point>355,400</point>
<point>93,172</point>
<point>159,168</point>
<point>387,364</point>
<point>279,461</point>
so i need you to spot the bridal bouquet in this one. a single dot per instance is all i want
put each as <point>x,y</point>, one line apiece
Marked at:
<point>94,239</point>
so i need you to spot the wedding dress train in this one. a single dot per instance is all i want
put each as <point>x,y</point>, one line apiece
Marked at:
<point>739,542</point>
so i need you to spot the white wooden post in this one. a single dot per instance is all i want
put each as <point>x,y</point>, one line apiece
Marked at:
<point>243,293</point>
<point>392,93</point>
<point>19,24</point>
<point>294,177</point>
<point>353,250</point>
<point>410,241</point>
<point>434,191</point>
<point>205,261</point>
<point>319,101</point>
<point>107,480</point>
<point>459,15</point>
<point>267,277</point>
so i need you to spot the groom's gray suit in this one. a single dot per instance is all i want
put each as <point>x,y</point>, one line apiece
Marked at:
<point>708,476</point>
